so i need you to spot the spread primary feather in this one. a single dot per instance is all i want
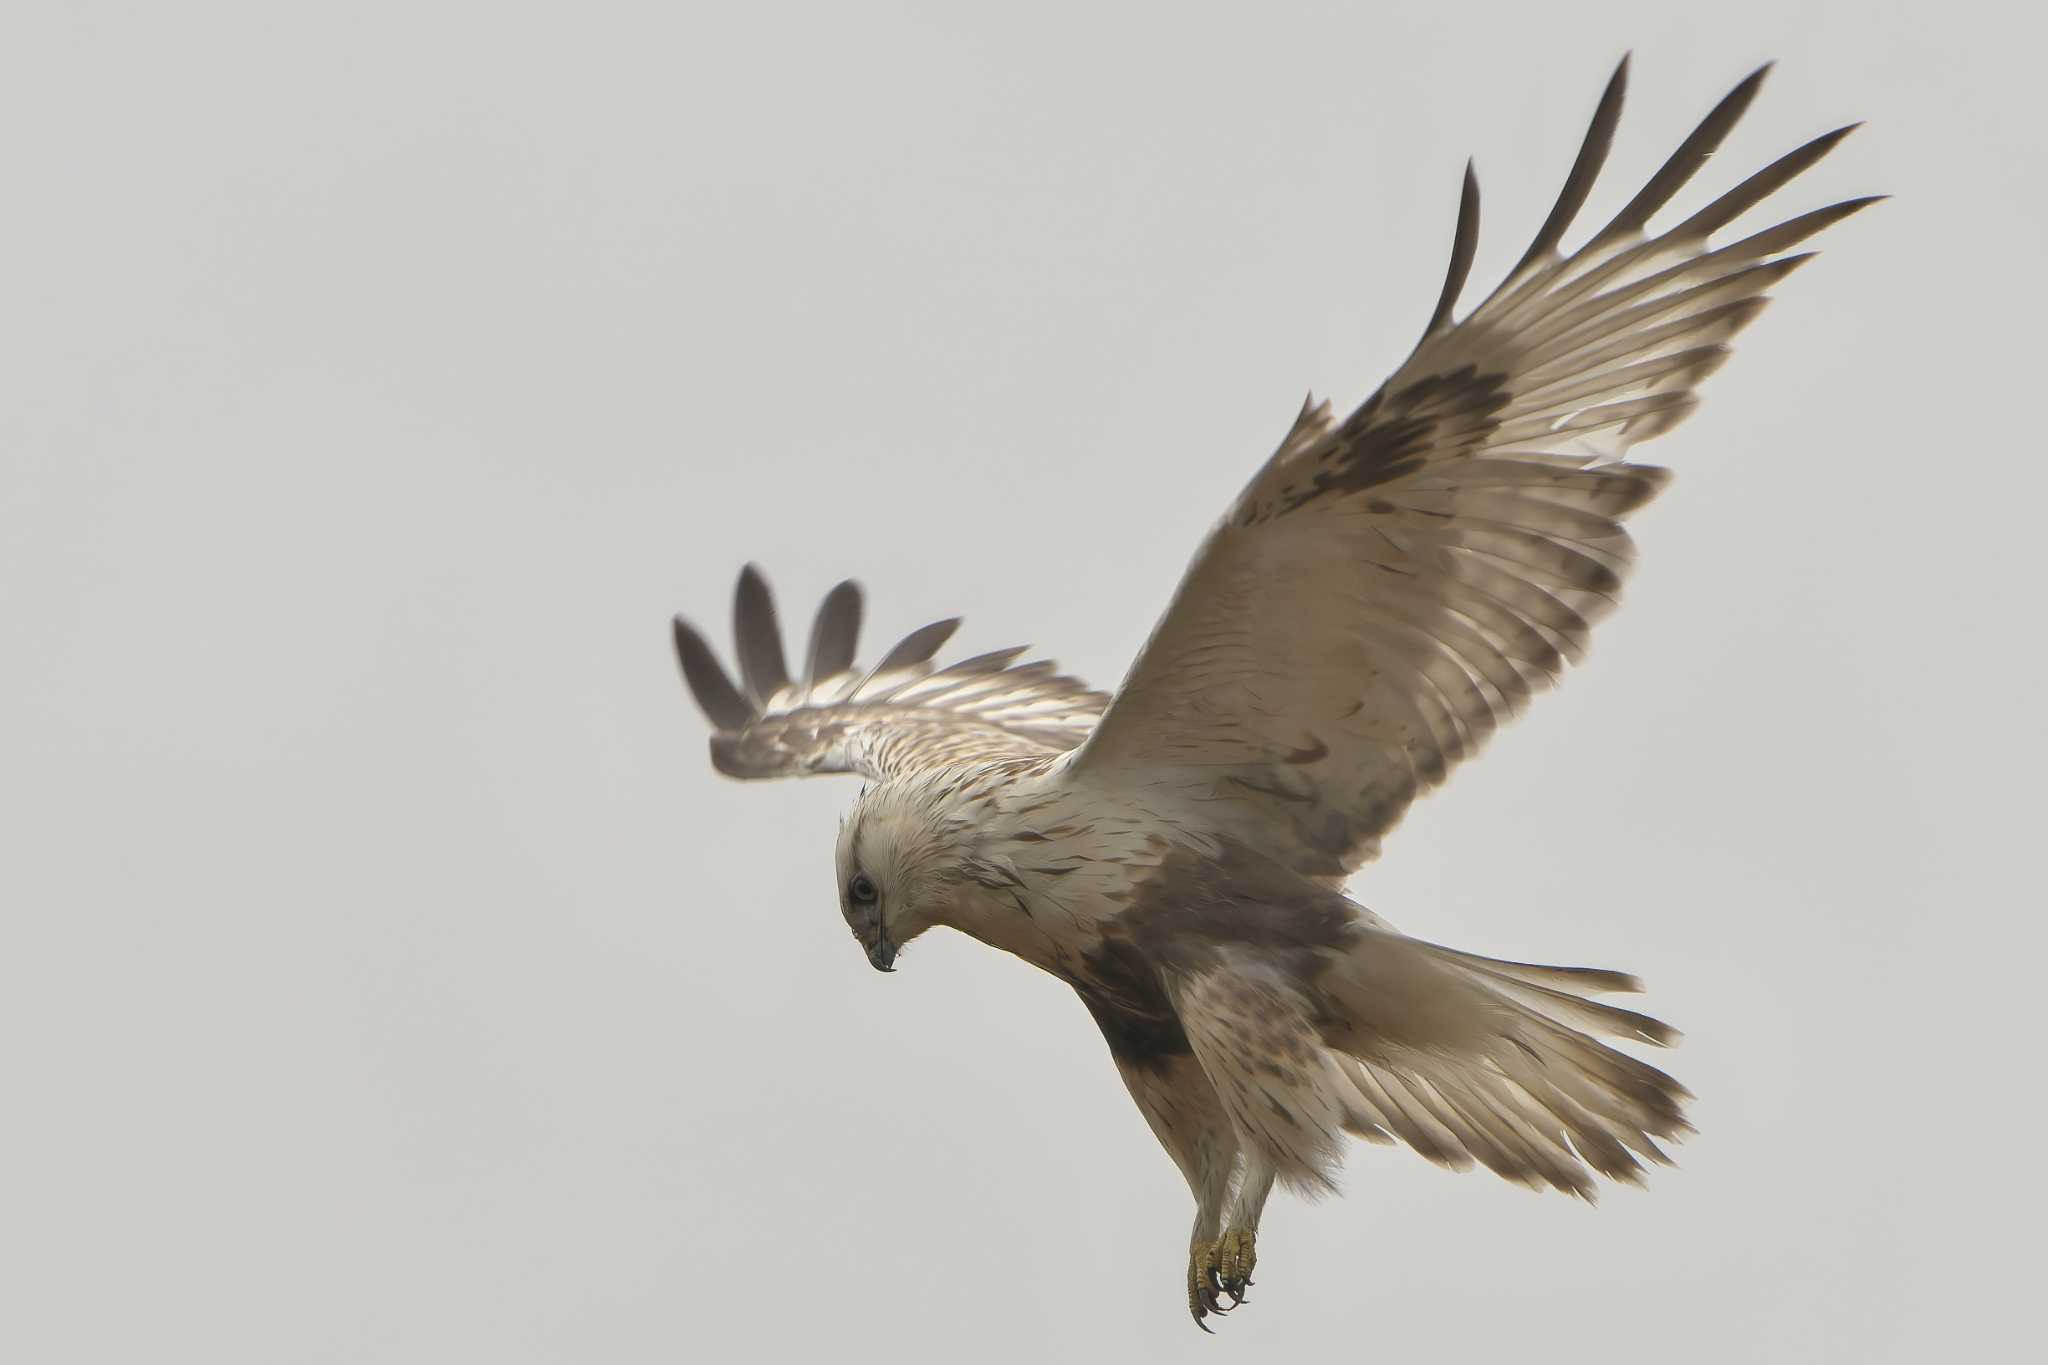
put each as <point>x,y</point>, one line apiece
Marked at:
<point>1387,590</point>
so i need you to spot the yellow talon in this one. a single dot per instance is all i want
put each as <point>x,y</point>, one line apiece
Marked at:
<point>1237,1253</point>
<point>1204,1260</point>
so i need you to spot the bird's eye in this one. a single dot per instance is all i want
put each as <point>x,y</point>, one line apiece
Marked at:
<point>861,890</point>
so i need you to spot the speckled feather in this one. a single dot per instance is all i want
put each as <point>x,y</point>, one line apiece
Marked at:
<point>1386,592</point>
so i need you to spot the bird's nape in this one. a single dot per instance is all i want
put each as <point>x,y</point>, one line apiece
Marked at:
<point>1388,590</point>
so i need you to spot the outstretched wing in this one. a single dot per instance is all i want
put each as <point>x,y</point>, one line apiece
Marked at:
<point>1390,588</point>
<point>903,715</point>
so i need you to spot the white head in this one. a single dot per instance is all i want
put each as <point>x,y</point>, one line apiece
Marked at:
<point>898,868</point>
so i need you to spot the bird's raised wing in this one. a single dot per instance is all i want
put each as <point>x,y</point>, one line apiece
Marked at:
<point>903,715</point>
<point>1390,588</point>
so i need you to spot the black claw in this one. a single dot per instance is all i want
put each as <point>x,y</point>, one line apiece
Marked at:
<point>1204,1326</point>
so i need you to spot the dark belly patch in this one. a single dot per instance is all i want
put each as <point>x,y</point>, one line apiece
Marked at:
<point>1125,995</point>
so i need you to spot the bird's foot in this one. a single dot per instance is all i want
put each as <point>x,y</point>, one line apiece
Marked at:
<point>1218,1268</point>
<point>1205,1259</point>
<point>1237,1253</point>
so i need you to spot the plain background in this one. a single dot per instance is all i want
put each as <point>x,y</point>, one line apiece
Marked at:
<point>387,978</point>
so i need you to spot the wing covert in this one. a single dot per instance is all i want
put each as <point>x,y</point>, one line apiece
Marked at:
<point>903,715</point>
<point>1391,588</point>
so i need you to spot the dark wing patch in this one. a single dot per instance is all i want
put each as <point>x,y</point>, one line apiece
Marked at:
<point>1390,438</point>
<point>1390,589</point>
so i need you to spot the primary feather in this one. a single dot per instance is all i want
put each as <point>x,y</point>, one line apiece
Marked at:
<point>899,717</point>
<point>1387,590</point>
<point>1392,587</point>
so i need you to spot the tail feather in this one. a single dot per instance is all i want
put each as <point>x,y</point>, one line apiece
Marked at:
<point>1589,980</point>
<point>1552,992</point>
<point>1502,1067</point>
<point>1521,1151</point>
<point>1385,1103</point>
<point>1603,1020</point>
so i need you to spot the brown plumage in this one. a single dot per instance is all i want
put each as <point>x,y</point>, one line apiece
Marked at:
<point>1387,590</point>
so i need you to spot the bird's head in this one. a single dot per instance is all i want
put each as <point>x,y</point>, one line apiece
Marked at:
<point>893,863</point>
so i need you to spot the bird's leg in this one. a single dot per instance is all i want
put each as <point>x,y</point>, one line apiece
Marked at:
<point>1181,1106</point>
<point>1209,1177</point>
<point>1237,1250</point>
<point>1205,1252</point>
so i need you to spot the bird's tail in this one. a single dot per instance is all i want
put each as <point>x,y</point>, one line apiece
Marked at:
<point>1468,1058</point>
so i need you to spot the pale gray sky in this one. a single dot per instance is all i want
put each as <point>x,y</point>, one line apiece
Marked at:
<point>387,978</point>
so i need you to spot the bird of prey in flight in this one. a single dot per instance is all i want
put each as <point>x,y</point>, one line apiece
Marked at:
<point>1388,589</point>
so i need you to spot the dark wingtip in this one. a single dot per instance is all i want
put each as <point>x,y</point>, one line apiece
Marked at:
<point>1586,168</point>
<point>1464,245</point>
<point>918,646</point>
<point>1760,186</point>
<point>716,696</point>
<point>1826,141</point>
<point>1692,154</point>
<point>757,636</point>
<point>835,634</point>
<point>753,581</point>
<point>1746,88</point>
<point>1754,81</point>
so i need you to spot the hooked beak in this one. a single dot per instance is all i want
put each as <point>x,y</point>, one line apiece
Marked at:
<point>874,941</point>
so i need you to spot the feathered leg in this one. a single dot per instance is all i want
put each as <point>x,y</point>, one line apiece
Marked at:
<point>1253,1030</point>
<point>1238,1252</point>
<point>1184,1114</point>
